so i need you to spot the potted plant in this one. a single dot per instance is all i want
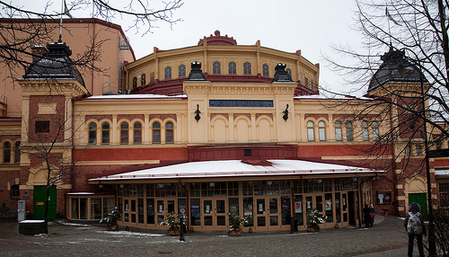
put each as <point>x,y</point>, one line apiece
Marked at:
<point>111,219</point>
<point>236,222</point>
<point>172,221</point>
<point>314,219</point>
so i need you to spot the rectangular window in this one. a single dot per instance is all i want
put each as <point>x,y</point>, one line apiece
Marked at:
<point>95,208</point>
<point>15,192</point>
<point>42,126</point>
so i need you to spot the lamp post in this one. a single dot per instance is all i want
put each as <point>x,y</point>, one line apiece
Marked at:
<point>181,220</point>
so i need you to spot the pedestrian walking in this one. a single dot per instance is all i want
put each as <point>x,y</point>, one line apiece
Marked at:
<point>414,224</point>
<point>372,212</point>
<point>366,216</point>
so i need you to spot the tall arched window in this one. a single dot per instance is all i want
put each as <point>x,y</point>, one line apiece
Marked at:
<point>167,72</point>
<point>310,132</point>
<point>338,131</point>
<point>300,77</point>
<point>156,133</point>
<point>169,139</point>
<point>349,135</point>
<point>134,82</point>
<point>17,152</point>
<point>216,67</point>
<point>375,127</point>
<point>364,131</point>
<point>105,133</point>
<point>232,68</point>
<point>247,68</point>
<point>289,71</point>
<point>143,79</point>
<point>6,152</point>
<point>311,84</point>
<point>124,132</point>
<point>182,70</point>
<point>92,133</point>
<point>265,70</point>
<point>322,130</point>
<point>137,133</point>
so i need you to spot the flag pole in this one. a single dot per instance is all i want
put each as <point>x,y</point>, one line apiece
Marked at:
<point>60,22</point>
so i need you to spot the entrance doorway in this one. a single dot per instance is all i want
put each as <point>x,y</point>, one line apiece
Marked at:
<point>40,201</point>
<point>421,199</point>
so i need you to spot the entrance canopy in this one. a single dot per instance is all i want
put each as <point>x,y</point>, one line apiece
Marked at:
<point>238,168</point>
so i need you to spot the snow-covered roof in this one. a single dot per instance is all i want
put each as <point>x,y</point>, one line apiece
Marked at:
<point>238,168</point>
<point>135,96</point>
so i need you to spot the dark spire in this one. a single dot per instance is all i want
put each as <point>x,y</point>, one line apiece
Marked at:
<point>281,75</point>
<point>196,74</point>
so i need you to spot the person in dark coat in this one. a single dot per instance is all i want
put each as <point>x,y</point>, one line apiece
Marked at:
<point>414,210</point>
<point>367,216</point>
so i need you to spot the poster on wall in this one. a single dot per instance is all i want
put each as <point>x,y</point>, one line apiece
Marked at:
<point>384,197</point>
<point>298,207</point>
<point>328,205</point>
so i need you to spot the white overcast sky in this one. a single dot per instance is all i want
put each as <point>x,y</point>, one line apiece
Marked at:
<point>286,25</point>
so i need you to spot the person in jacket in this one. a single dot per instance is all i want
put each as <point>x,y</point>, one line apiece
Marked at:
<point>414,224</point>
<point>366,216</point>
<point>372,212</point>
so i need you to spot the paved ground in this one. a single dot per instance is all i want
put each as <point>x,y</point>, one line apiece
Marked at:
<point>386,238</point>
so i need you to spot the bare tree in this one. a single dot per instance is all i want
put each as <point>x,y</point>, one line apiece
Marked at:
<point>409,82</point>
<point>17,38</point>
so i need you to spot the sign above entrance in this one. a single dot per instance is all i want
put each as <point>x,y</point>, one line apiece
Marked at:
<point>240,103</point>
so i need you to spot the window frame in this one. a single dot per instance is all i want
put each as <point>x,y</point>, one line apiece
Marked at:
<point>322,130</point>
<point>232,68</point>
<point>310,131</point>
<point>265,70</point>
<point>105,138</point>
<point>135,131</point>
<point>216,67</point>
<point>154,135</point>
<point>338,131</point>
<point>181,70</point>
<point>247,68</point>
<point>349,131</point>
<point>168,72</point>
<point>124,133</point>
<point>92,133</point>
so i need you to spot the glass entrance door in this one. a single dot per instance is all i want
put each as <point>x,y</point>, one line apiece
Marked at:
<point>214,213</point>
<point>164,207</point>
<point>267,213</point>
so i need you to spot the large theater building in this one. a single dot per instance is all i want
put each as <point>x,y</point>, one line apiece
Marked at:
<point>222,128</point>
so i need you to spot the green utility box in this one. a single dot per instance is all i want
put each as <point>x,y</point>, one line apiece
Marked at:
<point>32,227</point>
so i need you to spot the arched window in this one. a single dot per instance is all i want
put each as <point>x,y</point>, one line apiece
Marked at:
<point>151,77</point>
<point>156,133</point>
<point>92,133</point>
<point>232,68</point>
<point>338,131</point>
<point>349,135</point>
<point>265,70</point>
<point>137,133</point>
<point>216,67</point>
<point>364,131</point>
<point>17,152</point>
<point>6,152</point>
<point>134,82</point>
<point>182,70</point>
<point>289,71</point>
<point>124,132</point>
<point>311,84</point>
<point>143,79</point>
<point>247,68</point>
<point>310,132</point>
<point>169,133</point>
<point>300,77</point>
<point>322,130</point>
<point>168,72</point>
<point>105,133</point>
<point>375,127</point>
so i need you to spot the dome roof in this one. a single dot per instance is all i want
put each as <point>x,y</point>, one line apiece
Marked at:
<point>218,40</point>
<point>55,64</point>
<point>395,68</point>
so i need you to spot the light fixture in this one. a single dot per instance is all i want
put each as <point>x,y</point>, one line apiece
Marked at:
<point>319,181</point>
<point>122,185</point>
<point>160,185</point>
<point>269,182</point>
<point>100,185</point>
<point>211,184</point>
<point>354,179</point>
